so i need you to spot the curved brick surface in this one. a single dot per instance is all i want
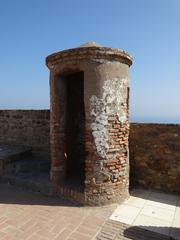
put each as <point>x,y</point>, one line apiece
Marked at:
<point>106,106</point>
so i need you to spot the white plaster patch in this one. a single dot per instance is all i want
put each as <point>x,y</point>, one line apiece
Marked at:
<point>114,95</point>
<point>99,132</point>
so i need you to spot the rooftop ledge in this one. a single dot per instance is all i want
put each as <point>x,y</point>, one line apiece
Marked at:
<point>88,51</point>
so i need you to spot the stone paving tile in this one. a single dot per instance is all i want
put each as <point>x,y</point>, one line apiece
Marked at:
<point>28,216</point>
<point>177,214</point>
<point>125,213</point>
<point>150,210</point>
<point>159,213</point>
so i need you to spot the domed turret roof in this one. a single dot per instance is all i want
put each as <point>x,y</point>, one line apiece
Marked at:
<point>90,44</point>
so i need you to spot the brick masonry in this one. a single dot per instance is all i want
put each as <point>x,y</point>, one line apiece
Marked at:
<point>154,148</point>
<point>26,127</point>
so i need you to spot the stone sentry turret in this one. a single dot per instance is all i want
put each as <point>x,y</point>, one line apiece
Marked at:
<point>89,88</point>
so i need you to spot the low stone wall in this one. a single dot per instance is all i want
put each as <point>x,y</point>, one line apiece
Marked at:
<point>154,148</point>
<point>155,156</point>
<point>26,127</point>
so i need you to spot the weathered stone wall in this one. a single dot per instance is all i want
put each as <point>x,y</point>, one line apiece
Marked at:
<point>155,156</point>
<point>26,127</point>
<point>154,148</point>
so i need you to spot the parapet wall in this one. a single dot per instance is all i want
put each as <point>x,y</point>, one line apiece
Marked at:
<point>26,127</point>
<point>155,156</point>
<point>154,148</point>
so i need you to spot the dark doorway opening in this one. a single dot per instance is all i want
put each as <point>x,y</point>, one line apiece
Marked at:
<point>75,128</point>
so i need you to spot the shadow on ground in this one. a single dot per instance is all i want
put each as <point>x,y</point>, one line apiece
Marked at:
<point>113,230</point>
<point>166,197</point>
<point>14,195</point>
<point>151,232</point>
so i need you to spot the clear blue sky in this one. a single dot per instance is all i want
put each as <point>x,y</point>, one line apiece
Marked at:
<point>148,29</point>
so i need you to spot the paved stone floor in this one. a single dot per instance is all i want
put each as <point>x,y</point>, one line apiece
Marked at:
<point>27,216</point>
<point>150,210</point>
<point>31,216</point>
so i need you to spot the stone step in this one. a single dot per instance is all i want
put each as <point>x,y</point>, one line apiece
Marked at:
<point>10,154</point>
<point>28,165</point>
